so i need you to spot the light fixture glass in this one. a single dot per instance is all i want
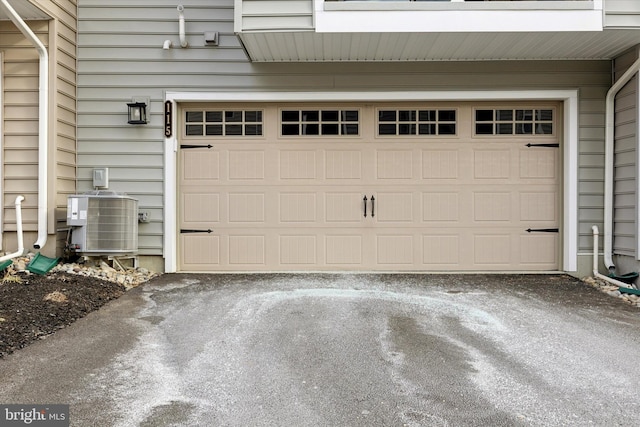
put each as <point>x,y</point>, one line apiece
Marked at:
<point>137,113</point>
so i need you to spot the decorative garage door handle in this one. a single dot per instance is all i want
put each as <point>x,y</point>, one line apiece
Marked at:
<point>184,146</point>
<point>373,206</point>
<point>542,230</point>
<point>187,230</point>
<point>542,145</point>
<point>365,206</point>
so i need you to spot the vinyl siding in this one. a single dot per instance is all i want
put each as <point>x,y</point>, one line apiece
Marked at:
<point>121,57</point>
<point>267,15</point>
<point>626,162</point>
<point>20,97</point>
<point>622,13</point>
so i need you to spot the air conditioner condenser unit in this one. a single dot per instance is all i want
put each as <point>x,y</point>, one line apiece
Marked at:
<point>103,223</point>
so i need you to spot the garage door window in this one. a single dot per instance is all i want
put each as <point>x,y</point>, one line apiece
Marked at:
<point>223,123</point>
<point>416,122</point>
<point>514,122</point>
<point>320,122</point>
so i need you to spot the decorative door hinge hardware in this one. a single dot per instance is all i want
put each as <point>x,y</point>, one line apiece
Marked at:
<point>187,230</point>
<point>543,145</point>
<point>365,206</point>
<point>542,230</point>
<point>184,146</point>
<point>373,206</point>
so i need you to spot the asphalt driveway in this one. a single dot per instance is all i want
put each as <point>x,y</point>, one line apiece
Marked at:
<point>342,350</point>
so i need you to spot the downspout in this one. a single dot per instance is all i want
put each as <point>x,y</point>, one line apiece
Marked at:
<point>608,162</point>
<point>43,120</point>
<point>20,250</point>
<point>595,262</point>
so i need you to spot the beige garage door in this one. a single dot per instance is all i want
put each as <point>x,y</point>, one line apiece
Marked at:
<point>392,187</point>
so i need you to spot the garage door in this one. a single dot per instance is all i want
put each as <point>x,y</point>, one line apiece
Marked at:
<point>387,187</point>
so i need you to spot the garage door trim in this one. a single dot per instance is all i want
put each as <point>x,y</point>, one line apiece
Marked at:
<point>570,148</point>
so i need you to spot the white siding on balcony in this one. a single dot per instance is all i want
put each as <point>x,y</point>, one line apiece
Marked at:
<point>261,15</point>
<point>622,13</point>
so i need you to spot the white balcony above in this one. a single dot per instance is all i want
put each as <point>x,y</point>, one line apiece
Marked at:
<point>25,9</point>
<point>435,30</point>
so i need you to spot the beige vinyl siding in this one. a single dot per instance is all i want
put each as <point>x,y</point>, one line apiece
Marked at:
<point>20,123</point>
<point>121,57</point>
<point>622,13</point>
<point>64,59</point>
<point>21,81</point>
<point>625,163</point>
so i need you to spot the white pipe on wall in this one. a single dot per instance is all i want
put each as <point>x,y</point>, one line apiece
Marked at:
<point>43,120</point>
<point>20,250</point>
<point>183,37</point>
<point>609,159</point>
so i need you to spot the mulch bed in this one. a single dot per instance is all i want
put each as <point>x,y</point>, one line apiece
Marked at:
<point>34,306</point>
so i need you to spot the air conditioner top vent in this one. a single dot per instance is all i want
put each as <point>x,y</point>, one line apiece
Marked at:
<point>105,193</point>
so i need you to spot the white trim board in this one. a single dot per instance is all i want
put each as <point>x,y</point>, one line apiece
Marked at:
<point>570,145</point>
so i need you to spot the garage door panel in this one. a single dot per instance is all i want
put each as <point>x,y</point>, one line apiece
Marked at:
<point>538,206</point>
<point>247,164</point>
<point>441,206</point>
<point>298,207</point>
<point>394,164</point>
<point>452,203</point>
<point>492,206</point>
<point>343,207</point>
<point>342,249</point>
<point>539,163</point>
<point>200,207</point>
<point>204,166</point>
<point>298,164</point>
<point>440,164</point>
<point>247,250</point>
<point>493,249</point>
<point>394,207</point>
<point>246,207</point>
<point>395,250</point>
<point>539,250</point>
<point>299,250</point>
<point>343,164</point>
<point>441,250</point>
<point>491,164</point>
<point>200,250</point>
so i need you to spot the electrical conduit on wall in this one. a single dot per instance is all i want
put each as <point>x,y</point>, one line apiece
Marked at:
<point>43,120</point>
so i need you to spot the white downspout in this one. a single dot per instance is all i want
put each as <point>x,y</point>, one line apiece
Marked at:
<point>43,120</point>
<point>609,159</point>
<point>596,273</point>
<point>183,37</point>
<point>20,250</point>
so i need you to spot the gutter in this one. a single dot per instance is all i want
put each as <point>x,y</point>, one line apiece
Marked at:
<point>43,120</point>
<point>609,160</point>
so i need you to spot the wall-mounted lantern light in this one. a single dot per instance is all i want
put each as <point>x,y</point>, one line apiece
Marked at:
<point>137,113</point>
